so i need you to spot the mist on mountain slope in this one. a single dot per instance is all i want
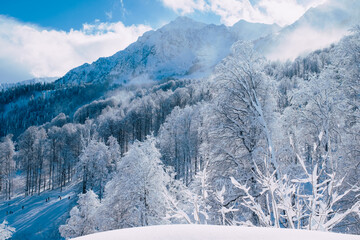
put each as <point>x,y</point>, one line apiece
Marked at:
<point>317,28</point>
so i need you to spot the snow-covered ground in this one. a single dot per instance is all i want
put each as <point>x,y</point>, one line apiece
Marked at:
<point>210,232</point>
<point>39,219</point>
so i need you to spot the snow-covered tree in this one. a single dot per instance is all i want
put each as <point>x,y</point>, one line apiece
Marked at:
<point>6,231</point>
<point>7,166</point>
<point>135,196</point>
<point>179,142</point>
<point>310,202</point>
<point>94,164</point>
<point>114,153</point>
<point>32,144</point>
<point>144,192</point>
<point>220,197</point>
<point>83,217</point>
<point>186,204</point>
<point>243,103</point>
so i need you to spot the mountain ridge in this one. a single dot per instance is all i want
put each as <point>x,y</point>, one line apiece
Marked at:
<point>178,49</point>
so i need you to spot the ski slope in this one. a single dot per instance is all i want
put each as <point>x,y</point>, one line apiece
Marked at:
<point>210,232</point>
<point>39,219</point>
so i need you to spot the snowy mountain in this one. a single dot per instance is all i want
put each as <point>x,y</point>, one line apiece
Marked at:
<point>252,31</point>
<point>317,28</point>
<point>181,48</point>
<point>185,47</point>
<point>332,14</point>
<point>208,232</point>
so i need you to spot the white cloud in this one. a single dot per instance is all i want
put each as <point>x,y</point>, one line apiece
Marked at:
<point>304,40</point>
<point>282,12</point>
<point>285,12</point>
<point>185,6</point>
<point>37,52</point>
<point>231,11</point>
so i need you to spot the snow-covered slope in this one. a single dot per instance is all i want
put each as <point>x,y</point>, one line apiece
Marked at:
<point>251,31</point>
<point>317,28</point>
<point>209,232</point>
<point>177,49</point>
<point>331,14</point>
<point>39,219</point>
<point>181,48</point>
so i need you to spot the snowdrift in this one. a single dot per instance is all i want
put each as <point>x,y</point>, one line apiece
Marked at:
<point>210,232</point>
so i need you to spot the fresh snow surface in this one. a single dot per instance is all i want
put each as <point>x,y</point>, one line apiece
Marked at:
<point>211,232</point>
<point>39,219</point>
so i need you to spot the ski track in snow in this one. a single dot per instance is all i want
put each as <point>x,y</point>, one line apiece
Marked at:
<point>39,219</point>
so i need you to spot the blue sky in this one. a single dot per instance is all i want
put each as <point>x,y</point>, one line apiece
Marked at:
<point>67,14</point>
<point>43,38</point>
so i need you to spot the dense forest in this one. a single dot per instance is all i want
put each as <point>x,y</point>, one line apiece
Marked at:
<point>257,143</point>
